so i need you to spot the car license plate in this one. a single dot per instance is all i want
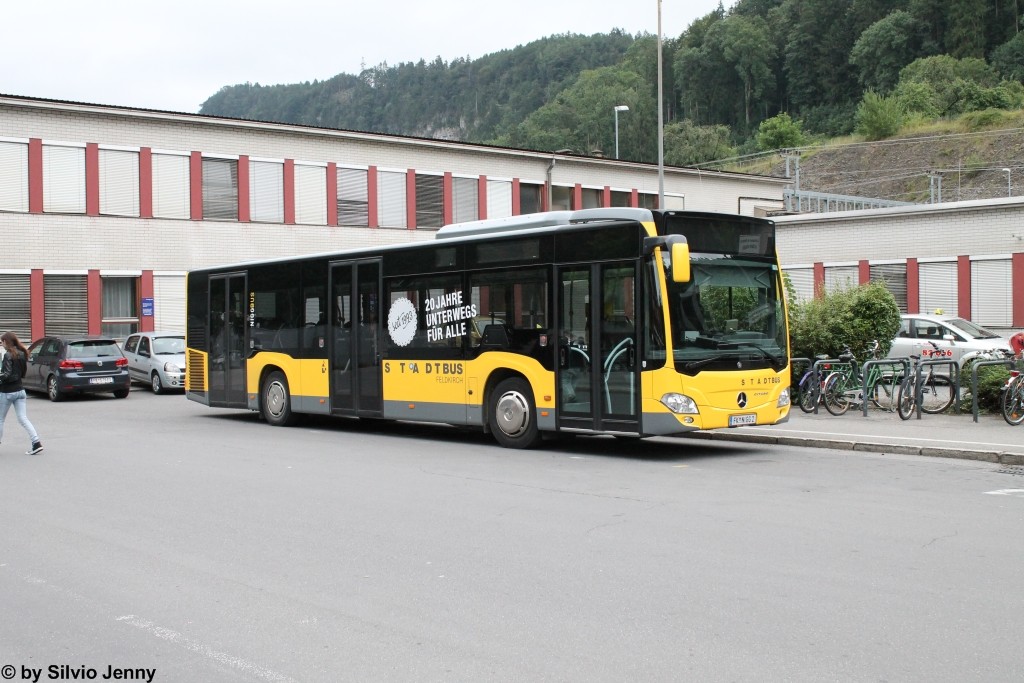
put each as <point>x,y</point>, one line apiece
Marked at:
<point>101,380</point>
<point>739,420</point>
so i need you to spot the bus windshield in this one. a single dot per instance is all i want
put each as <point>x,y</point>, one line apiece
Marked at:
<point>729,315</point>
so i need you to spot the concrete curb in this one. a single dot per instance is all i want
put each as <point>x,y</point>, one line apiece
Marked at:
<point>999,457</point>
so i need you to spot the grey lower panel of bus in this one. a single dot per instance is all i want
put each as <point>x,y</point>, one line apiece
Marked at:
<point>311,404</point>
<point>449,413</point>
<point>663,424</point>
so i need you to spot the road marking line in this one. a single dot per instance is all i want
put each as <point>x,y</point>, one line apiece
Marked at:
<point>1017,493</point>
<point>220,657</point>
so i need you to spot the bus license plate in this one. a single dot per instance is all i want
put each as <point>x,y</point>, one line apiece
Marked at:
<point>101,380</point>
<point>740,420</point>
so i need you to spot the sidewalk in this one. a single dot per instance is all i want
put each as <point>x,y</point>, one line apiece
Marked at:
<point>945,436</point>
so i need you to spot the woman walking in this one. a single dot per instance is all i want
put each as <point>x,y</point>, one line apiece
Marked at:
<point>12,369</point>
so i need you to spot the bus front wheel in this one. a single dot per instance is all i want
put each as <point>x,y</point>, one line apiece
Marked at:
<point>275,401</point>
<point>513,415</point>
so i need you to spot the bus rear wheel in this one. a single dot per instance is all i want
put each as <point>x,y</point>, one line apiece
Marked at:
<point>513,415</point>
<point>275,400</point>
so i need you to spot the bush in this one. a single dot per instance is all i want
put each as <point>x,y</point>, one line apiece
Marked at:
<point>851,317</point>
<point>991,380</point>
<point>879,117</point>
<point>779,132</point>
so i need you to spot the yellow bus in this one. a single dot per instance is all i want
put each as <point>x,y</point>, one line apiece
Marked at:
<point>618,321</point>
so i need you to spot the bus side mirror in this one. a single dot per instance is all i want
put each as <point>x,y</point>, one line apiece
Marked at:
<point>680,262</point>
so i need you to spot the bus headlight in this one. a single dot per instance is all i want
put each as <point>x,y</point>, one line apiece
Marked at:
<point>678,403</point>
<point>783,398</point>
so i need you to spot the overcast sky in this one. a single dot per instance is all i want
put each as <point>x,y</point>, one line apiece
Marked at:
<point>173,55</point>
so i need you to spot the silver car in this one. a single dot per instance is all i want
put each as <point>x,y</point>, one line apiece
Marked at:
<point>954,336</point>
<point>157,359</point>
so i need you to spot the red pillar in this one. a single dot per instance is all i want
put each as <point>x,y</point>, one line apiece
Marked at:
<point>913,286</point>
<point>1017,281</point>
<point>37,305</point>
<point>447,199</point>
<point>577,197</point>
<point>606,197</point>
<point>92,179</point>
<point>963,276</point>
<point>332,194</point>
<point>634,199</point>
<point>146,322</point>
<point>244,200</point>
<point>517,206</point>
<point>863,272</point>
<point>145,182</point>
<point>410,199</point>
<point>35,175</point>
<point>196,185</point>
<point>819,280</point>
<point>371,199</point>
<point>481,198</point>
<point>289,191</point>
<point>94,301</point>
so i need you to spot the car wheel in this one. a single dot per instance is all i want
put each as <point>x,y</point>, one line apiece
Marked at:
<point>156,384</point>
<point>122,393</point>
<point>53,392</point>
<point>275,401</point>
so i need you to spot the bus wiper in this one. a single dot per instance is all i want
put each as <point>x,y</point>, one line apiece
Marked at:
<point>775,360</point>
<point>697,364</point>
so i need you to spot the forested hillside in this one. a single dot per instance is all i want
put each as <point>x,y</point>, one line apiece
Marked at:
<point>760,74</point>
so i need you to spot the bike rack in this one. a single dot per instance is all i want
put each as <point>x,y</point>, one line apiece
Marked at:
<point>1008,362</point>
<point>954,377</point>
<point>817,375</point>
<point>904,362</point>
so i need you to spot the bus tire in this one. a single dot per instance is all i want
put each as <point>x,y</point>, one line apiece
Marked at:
<point>513,414</point>
<point>275,400</point>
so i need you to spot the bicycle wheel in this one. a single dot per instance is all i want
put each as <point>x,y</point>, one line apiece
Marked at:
<point>1013,401</point>
<point>936,393</point>
<point>834,394</point>
<point>808,393</point>
<point>883,392</point>
<point>905,399</point>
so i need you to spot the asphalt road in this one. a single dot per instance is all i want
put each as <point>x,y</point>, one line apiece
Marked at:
<point>156,534</point>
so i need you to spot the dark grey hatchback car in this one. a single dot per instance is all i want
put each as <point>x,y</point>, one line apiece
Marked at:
<point>62,366</point>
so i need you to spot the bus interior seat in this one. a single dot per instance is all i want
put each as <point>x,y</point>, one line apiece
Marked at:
<point>494,336</point>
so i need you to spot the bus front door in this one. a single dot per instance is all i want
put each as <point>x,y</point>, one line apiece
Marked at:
<point>598,379</point>
<point>227,354</point>
<point>355,334</point>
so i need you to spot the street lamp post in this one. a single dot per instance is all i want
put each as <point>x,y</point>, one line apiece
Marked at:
<point>618,108</point>
<point>1009,187</point>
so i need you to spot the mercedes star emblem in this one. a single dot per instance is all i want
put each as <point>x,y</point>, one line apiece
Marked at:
<point>741,400</point>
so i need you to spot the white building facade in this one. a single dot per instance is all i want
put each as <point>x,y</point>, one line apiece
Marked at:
<point>104,209</point>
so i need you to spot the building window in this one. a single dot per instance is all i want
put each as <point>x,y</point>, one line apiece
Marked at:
<point>622,198</point>
<point>499,198</point>
<point>645,200</point>
<point>391,199</point>
<point>530,198</point>
<point>120,306</point>
<point>13,176</point>
<point>429,201</point>
<point>63,179</point>
<point>119,182</point>
<point>465,199</point>
<point>171,191</point>
<point>266,191</point>
<point>561,198</point>
<point>591,197</point>
<point>353,202</point>
<point>220,189</point>
<point>310,194</point>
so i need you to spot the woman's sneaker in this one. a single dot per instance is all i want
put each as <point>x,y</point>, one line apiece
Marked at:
<point>36,448</point>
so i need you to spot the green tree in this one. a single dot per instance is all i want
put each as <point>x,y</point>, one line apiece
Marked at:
<point>1008,58</point>
<point>779,132</point>
<point>879,117</point>
<point>885,47</point>
<point>853,317</point>
<point>687,144</point>
<point>747,46</point>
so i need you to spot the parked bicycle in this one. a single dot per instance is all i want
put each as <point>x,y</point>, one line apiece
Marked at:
<point>934,390</point>
<point>845,386</point>
<point>809,390</point>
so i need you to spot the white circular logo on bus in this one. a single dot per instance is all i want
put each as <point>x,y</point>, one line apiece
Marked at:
<point>402,321</point>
